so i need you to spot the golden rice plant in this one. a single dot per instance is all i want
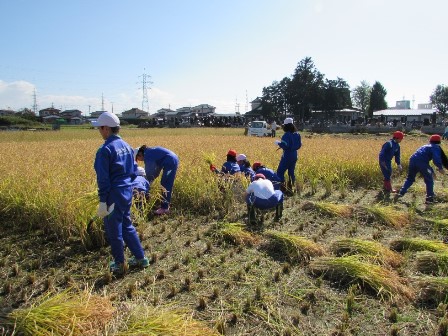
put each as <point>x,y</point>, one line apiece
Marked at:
<point>162,321</point>
<point>389,216</point>
<point>439,224</point>
<point>333,209</point>
<point>65,313</point>
<point>295,248</point>
<point>432,290</point>
<point>432,262</point>
<point>385,283</point>
<point>234,233</point>
<point>373,250</point>
<point>418,244</point>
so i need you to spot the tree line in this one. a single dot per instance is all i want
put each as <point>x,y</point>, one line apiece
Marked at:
<point>308,90</point>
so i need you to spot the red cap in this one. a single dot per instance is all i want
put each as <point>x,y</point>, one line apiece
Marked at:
<point>256,165</point>
<point>231,152</point>
<point>398,135</point>
<point>258,176</point>
<point>435,138</point>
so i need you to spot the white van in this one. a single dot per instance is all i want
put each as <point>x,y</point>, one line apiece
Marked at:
<point>258,128</point>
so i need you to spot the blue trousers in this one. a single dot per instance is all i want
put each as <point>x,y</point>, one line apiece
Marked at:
<point>387,171</point>
<point>169,168</point>
<point>263,204</point>
<point>427,173</point>
<point>118,225</point>
<point>287,164</point>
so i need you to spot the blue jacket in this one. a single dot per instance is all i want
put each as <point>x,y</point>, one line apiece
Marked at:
<point>389,150</point>
<point>247,171</point>
<point>141,184</point>
<point>114,165</point>
<point>426,153</point>
<point>291,143</point>
<point>158,158</point>
<point>269,174</point>
<point>230,167</point>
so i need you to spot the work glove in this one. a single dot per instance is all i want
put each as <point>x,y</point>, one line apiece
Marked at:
<point>400,168</point>
<point>277,142</point>
<point>212,168</point>
<point>103,211</point>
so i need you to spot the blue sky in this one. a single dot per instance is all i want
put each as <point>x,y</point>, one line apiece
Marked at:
<point>216,52</point>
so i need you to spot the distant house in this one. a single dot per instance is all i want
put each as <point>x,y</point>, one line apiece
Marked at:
<point>96,114</point>
<point>134,113</point>
<point>343,115</point>
<point>203,110</point>
<point>405,114</point>
<point>71,114</point>
<point>6,113</point>
<point>50,111</point>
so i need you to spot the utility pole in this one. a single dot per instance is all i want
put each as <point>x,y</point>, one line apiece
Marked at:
<point>102,102</point>
<point>146,82</point>
<point>35,102</point>
<point>247,103</point>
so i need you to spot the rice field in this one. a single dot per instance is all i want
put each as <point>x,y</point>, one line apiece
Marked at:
<point>344,259</point>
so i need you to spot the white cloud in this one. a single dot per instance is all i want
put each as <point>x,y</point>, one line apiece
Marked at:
<point>16,95</point>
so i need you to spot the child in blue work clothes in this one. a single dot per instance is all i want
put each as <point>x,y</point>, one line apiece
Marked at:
<point>140,188</point>
<point>230,166</point>
<point>268,173</point>
<point>261,194</point>
<point>390,150</point>
<point>157,159</point>
<point>290,143</point>
<point>419,163</point>
<point>115,169</point>
<point>245,167</point>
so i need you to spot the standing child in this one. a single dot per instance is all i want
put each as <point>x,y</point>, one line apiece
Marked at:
<point>419,163</point>
<point>388,151</point>
<point>157,159</point>
<point>115,169</point>
<point>290,143</point>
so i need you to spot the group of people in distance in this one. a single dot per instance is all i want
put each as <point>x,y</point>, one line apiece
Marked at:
<point>267,186</point>
<point>418,163</point>
<point>118,175</point>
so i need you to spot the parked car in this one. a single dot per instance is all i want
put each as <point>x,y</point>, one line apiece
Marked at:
<point>258,128</point>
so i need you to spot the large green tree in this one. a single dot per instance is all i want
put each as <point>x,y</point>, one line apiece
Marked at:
<point>377,98</point>
<point>336,96</point>
<point>274,99</point>
<point>440,99</point>
<point>306,89</point>
<point>361,96</point>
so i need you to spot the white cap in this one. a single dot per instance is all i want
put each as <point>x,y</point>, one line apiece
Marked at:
<point>241,157</point>
<point>140,171</point>
<point>135,152</point>
<point>288,121</point>
<point>107,119</point>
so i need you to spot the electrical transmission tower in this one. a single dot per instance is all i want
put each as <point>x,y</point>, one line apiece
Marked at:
<point>35,102</point>
<point>146,82</point>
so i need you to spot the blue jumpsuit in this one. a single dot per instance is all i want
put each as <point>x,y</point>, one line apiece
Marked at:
<point>291,143</point>
<point>230,168</point>
<point>115,169</point>
<point>270,175</point>
<point>419,163</point>
<point>389,150</point>
<point>140,190</point>
<point>247,171</point>
<point>156,159</point>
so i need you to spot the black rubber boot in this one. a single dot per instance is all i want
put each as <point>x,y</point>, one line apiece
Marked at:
<point>279,211</point>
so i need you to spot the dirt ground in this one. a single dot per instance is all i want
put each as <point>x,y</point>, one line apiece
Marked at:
<point>238,289</point>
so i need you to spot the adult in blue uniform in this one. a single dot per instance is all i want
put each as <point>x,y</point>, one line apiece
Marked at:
<point>290,143</point>
<point>115,169</point>
<point>140,188</point>
<point>245,167</point>
<point>419,163</point>
<point>268,174</point>
<point>230,166</point>
<point>157,159</point>
<point>390,150</point>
